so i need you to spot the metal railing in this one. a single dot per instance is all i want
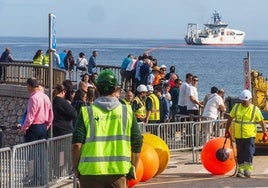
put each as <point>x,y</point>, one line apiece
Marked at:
<point>29,164</point>
<point>38,163</point>
<point>5,167</point>
<point>187,135</point>
<point>59,160</point>
<point>48,162</point>
<point>17,72</point>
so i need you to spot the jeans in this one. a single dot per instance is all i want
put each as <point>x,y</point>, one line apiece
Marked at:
<point>36,132</point>
<point>245,150</point>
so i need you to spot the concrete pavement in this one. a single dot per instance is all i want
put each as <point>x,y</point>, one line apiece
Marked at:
<point>181,172</point>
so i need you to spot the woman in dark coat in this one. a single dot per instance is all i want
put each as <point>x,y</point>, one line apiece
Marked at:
<point>64,113</point>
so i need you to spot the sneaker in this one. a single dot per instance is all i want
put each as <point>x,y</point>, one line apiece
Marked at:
<point>240,175</point>
<point>247,174</point>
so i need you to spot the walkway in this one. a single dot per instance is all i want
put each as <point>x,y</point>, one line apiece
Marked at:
<point>182,173</point>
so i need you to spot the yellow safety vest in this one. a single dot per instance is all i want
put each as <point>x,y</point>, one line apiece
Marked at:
<point>141,111</point>
<point>107,149</point>
<point>126,102</point>
<point>38,61</point>
<point>46,60</point>
<point>245,120</point>
<point>155,114</point>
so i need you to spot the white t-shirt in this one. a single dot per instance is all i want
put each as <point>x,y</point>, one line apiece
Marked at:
<point>182,96</point>
<point>81,62</point>
<point>212,106</point>
<point>131,64</point>
<point>192,91</point>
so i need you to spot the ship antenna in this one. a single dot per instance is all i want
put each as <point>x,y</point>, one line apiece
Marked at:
<point>216,17</point>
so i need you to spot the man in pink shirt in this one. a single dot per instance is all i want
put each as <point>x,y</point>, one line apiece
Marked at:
<point>39,113</point>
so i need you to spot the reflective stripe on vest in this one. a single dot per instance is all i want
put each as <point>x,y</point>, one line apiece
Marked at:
<point>107,146</point>
<point>245,127</point>
<point>126,102</point>
<point>141,111</point>
<point>155,113</point>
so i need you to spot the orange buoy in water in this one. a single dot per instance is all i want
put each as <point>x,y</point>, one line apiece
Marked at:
<point>161,149</point>
<point>217,160</point>
<point>139,174</point>
<point>150,162</point>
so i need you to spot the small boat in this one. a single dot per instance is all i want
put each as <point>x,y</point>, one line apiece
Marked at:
<point>214,33</point>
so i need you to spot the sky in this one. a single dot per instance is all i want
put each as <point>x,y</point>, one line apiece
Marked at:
<point>141,19</point>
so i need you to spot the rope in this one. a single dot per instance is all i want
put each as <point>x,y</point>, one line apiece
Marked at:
<point>235,157</point>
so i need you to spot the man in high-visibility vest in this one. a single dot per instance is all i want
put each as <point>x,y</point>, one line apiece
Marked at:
<point>138,104</point>
<point>152,104</point>
<point>246,117</point>
<point>106,140</point>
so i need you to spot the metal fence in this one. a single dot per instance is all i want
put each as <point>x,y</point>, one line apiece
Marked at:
<point>40,163</point>
<point>59,159</point>
<point>48,162</point>
<point>187,135</point>
<point>19,71</point>
<point>29,164</point>
<point>5,164</point>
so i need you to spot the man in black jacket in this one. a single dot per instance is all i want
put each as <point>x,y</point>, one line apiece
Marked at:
<point>5,57</point>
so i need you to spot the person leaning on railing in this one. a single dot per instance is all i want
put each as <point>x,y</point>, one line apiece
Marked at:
<point>38,58</point>
<point>5,57</point>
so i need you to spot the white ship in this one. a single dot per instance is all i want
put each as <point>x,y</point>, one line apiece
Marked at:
<point>215,33</point>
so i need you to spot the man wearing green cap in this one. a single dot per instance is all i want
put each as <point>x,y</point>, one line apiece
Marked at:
<point>106,140</point>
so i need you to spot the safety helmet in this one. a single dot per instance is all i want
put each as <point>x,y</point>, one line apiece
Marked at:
<point>245,95</point>
<point>142,88</point>
<point>150,88</point>
<point>106,78</point>
<point>163,67</point>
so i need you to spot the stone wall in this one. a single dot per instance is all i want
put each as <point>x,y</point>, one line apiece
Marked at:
<point>11,110</point>
<point>13,101</point>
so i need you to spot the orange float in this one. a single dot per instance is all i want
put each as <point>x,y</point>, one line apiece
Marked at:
<point>150,162</point>
<point>161,149</point>
<point>139,174</point>
<point>217,160</point>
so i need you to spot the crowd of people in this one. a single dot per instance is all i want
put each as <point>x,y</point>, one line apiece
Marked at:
<point>102,114</point>
<point>160,95</point>
<point>155,95</point>
<point>66,60</point>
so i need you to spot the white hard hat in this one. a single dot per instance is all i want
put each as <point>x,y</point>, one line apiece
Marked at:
<point>245,95</point>
<point>142,88</point>
<point>150,88</point>
<point>163,67</point>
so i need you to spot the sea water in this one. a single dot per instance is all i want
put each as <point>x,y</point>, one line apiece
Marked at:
<point>220,66</point>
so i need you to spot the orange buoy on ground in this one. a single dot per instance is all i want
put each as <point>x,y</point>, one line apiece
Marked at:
<point>139,174</point>
<point>150,162</point>
<point>217,160</point>
<point>161,149</point>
